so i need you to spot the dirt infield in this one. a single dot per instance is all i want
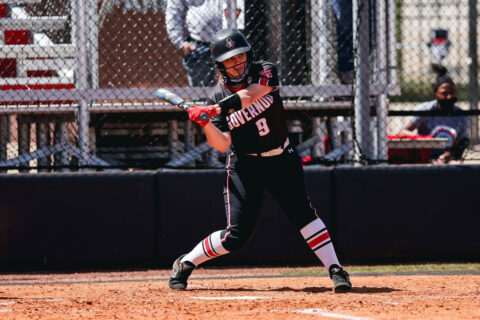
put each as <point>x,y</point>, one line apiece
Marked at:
<point>238,294</point>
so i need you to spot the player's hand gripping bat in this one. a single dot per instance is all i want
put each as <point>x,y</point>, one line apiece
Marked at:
<point>174,99</point>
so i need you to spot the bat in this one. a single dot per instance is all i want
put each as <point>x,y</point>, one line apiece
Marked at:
<point>174,99</point>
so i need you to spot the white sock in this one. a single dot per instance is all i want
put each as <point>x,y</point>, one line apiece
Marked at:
<point>209,248</point>
<point>318,239</point>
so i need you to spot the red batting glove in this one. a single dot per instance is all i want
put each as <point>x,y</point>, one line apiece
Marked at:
<point>195,112</point>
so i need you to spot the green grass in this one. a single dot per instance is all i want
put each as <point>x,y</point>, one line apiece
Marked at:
<point>394,268</point>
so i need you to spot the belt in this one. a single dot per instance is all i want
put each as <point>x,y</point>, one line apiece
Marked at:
<point>271,153</point>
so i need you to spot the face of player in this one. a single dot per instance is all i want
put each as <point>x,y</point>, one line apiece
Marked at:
<point>446,96</point>
<point>236,65</point>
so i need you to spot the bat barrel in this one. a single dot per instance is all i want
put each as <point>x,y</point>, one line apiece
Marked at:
<point>172,98</point>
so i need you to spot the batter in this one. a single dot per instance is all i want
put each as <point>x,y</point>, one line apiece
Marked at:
<point>248,120</point>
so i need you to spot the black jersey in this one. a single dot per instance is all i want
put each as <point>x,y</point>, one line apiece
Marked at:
<point>262,125</point>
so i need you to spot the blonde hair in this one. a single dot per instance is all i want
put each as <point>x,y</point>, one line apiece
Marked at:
<point>219,75</point>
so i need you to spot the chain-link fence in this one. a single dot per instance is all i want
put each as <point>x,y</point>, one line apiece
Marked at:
<point>78,79</point>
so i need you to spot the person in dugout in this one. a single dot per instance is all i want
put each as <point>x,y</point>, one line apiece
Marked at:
<point>444,125</point>
<point>248,120</point>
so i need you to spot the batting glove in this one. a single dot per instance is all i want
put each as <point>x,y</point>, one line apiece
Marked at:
<point>195,114</point>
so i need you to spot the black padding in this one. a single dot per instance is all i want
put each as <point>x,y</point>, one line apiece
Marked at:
<point>408,213</point>
<point>374,214</point>
<point>189,207</point>
<point>83,219</point>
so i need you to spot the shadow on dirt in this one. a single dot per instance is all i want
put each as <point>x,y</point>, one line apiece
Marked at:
<point>364,290</point>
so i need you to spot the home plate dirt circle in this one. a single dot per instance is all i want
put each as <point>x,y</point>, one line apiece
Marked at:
<point>246,294</point>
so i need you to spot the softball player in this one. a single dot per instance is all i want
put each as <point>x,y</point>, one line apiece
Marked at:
<point>249,119</point>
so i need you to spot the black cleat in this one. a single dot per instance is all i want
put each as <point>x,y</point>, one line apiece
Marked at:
<point>340,278</point>
<point>180,273</point>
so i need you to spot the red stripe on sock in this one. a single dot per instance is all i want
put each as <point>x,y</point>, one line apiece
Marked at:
<point>320,238</point>
<point>209,249</point>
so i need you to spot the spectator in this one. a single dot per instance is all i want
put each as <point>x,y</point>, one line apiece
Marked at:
<point>344,26</point>
<point>344,23</point>
<point>191,25</point>
<point>453,127</point>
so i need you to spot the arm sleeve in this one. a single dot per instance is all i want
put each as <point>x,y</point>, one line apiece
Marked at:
<point>266,75</point>
<point>175,16</point>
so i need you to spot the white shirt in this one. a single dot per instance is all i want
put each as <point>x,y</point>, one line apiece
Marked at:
<point>425,124</point>
<point>198,19</point>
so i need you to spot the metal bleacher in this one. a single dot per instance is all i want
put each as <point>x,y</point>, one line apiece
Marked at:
<point>32,61</point>
<point>34,51</point>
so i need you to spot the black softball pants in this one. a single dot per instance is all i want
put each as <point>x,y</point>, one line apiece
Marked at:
<point>247,178</point>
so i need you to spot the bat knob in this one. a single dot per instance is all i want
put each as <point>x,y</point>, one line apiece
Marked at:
<point>204,116</point>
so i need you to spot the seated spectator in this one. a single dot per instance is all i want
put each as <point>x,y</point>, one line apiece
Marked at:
<point>455,128</point>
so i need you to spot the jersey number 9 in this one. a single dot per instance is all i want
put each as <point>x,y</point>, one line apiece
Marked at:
<point>262,126</point>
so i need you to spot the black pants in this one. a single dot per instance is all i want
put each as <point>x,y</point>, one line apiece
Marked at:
<point>247,179</point>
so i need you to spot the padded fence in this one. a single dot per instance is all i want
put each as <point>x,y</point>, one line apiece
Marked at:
<point>77,220</point>
<point>147,219</point>
<point>408,213</point>
<point>78,79</point>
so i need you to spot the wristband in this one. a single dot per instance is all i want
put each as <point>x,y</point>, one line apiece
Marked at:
<point>231,102</point>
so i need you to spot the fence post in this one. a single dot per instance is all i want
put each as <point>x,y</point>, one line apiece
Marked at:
<point>362,66</point>
<point>93,28</point>
<point>81,77</point>
<point>392,42</point>
<point>322,43</point>
<point>382,100</point>
<point>472,66</point>
<point>231,13</point>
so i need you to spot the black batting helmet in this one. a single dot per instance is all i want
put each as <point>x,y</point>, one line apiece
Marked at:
<point>227,43</point>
